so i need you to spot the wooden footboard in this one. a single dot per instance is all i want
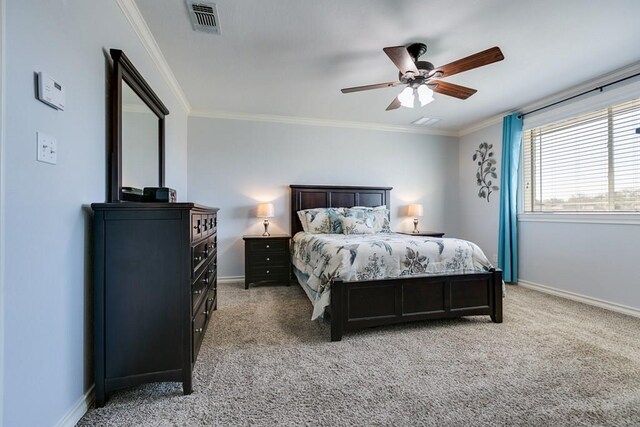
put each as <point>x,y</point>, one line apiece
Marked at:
<point>356,305</point>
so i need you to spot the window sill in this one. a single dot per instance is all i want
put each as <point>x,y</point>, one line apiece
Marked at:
<point>627,218</point>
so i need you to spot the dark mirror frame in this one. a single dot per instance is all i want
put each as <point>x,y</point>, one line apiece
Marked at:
<point>123,69</point>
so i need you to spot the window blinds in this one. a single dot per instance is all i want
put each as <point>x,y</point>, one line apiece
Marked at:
<point>590,163</point>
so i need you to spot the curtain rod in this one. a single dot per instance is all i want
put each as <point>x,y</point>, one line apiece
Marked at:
<point>599,88</point>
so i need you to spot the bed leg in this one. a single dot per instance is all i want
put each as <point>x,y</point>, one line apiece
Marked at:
<point>496,317</point>
<point>336,310</point>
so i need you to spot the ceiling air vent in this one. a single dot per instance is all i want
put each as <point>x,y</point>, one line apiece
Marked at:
<point>425,121</point>
<point>204,16</point>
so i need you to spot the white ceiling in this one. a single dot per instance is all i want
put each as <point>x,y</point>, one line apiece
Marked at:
<point>292,57</point>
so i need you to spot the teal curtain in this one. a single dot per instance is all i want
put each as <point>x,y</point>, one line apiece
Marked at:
<point>508,234</point>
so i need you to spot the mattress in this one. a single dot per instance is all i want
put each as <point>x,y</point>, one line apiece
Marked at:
<point>321,258</point>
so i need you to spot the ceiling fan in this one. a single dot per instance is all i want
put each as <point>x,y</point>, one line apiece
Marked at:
<point>422,78</point>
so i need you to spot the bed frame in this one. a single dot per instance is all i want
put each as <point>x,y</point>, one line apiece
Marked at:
<point>362,304</point>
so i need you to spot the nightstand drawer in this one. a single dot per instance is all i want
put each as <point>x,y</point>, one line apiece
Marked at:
<point>268,258</point>
<point>268,245</point>
<point>260,273</point>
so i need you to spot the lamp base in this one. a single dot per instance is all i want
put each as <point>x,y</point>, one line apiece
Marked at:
<point>415,225</point>
<point>266,228</point>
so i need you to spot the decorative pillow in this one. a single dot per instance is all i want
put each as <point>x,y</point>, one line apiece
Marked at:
<point>303,221</point>
<point>353,225</point>
<point>379,215</point>
<point>322,220</point>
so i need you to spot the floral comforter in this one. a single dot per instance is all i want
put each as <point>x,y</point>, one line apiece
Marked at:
<point>319,258</point>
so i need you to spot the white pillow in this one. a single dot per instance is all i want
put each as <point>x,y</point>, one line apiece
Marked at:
<point>352,225</point>
<point>380,215</point>
<point>322,220</point>
<point>303,221</point>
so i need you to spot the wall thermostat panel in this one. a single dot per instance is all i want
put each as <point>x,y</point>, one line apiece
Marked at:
<point>50,91</point>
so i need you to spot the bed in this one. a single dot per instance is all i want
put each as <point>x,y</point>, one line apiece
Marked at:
<point>356,303</point>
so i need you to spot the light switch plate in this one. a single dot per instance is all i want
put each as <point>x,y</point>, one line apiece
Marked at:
<point>47,148</point>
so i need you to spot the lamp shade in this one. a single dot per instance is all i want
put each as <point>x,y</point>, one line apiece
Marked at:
<point>414,211</point>
<point>265,210</point>
<point>425,95</point>
<point>407,97</point>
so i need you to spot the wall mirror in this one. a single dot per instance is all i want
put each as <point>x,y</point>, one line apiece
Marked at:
<point>137,133</point>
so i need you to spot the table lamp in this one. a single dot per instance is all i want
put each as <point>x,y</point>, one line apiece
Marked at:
<point>415,211</point>
<point>266,211</point>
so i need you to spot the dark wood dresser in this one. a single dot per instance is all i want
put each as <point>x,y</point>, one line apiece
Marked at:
<point>266,259</point>
<point>154,291</point>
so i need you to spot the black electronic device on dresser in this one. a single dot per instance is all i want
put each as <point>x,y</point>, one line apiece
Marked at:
<point>266,259</point>
<point>155,291</point>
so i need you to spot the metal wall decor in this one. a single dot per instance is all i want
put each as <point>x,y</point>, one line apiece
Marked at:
<point>486,170</point>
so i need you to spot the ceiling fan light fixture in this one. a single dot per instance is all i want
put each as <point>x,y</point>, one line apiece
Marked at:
<point>406,97</point>
<point>425,95</point>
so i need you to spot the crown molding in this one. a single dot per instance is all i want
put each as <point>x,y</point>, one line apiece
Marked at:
<point>590,84</point>
<point>308,121</point>
<point>482,124</point>
<point>594,83</point>
<point>139,25</point>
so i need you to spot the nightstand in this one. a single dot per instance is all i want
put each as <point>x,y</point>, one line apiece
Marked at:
<point>422,233</point>
<point>266,258</point>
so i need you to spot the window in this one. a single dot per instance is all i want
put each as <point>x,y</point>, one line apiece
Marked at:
<point>589,163</point>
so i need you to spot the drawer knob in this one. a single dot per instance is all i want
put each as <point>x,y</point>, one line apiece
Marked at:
<point>268,259</point>
<point>206,312</point>
<point>210,299</point>
<point>197,258</point>
<point>199,330</point>
<point>198,292</point>
<point>267,246</point>
<point>267,271</point>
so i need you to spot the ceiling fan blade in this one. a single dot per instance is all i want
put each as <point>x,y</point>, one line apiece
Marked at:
<point>395,104</point>
<point>451,89</point>
<point>369,87</point>
<point>476,60</point>
<point>402,59</point>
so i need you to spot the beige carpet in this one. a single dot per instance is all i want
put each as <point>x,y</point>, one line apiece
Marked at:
<point>552,362</point>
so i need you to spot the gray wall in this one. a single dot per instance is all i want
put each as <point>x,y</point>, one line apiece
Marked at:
<point>593,260</point>
<point>479,218</point>
<point>235,164</point>
<point>47,276</point>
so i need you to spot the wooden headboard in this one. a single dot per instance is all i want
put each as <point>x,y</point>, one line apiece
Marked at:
<point>333,196</point>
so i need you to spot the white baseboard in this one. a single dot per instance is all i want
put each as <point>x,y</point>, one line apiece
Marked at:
<point>612,306</point>
<point>230,279</point>
<point>81,407</point>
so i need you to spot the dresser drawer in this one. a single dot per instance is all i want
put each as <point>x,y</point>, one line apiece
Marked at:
<point>212,302</point>
<point>196,226</point>
<point>199,327</point>
<point>200,286</point>
<point>199,291</point>
<point>268,245</point>
<point>202,253</point>
<point>210,223</point>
